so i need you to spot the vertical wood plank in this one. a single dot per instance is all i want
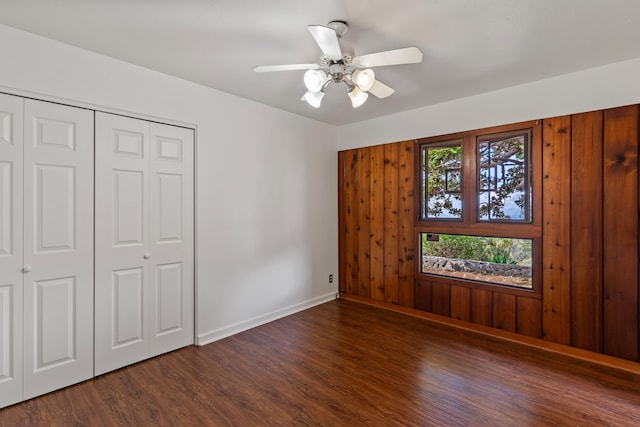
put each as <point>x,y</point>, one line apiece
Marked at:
<point>341,223</point>
<point>586,230</point>
<point>441,298</point>
<point>504,311</point>
<point>481,307</point>
<point>364,219</point>
<point>406,238</point>
<point>351,223</point>
<point>556,230</point>
<point>423,295</point>
<point>460,303</point>
<point>536,172</point>
<point>391,223</point>
<point>376,187</point>
<point>620,214</point>
<point>529,317</point>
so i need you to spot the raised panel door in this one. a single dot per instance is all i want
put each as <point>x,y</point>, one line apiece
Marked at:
<point>58,246</point>
<point>11,250</point>
<point>122,272</point>
<point>171,238</point>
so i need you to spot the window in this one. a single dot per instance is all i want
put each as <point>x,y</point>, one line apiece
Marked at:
<point>504,189</point>
<point>496,260</point>
<point>442,180</point>
<point>479,217</point>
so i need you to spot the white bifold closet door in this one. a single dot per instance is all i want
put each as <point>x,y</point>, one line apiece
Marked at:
<point>144,240</point>
<point>46,247</point>
<point>11,254</point>
<point>58,246</point>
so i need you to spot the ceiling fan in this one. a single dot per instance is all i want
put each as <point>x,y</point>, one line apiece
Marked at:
<point>339,65</point>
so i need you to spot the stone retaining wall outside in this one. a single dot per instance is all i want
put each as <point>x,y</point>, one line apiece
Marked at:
<point>431,263</point>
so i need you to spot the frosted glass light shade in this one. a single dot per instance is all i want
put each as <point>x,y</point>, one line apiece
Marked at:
<point>364,78</point>
<point>314,80</point>
<point>357,96</point>
<point>313,98</point>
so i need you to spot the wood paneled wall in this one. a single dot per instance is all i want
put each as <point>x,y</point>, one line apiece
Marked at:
<point>376,222</point>
<point>489,307</point>
<point>589,255</point>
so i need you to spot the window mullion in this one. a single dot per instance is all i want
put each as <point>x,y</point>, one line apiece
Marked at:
<point>470,183</point>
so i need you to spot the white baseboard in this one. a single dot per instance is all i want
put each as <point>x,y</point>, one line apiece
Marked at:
<point>227,331</point>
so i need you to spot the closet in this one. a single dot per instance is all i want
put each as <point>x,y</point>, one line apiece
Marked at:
<point>71,307</point>
<point>144,240</point>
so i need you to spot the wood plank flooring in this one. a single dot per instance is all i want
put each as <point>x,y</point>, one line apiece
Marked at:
<point>346,364</point>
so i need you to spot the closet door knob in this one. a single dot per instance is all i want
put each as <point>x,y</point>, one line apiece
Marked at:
<point>27,268</point>
<point>146,255</point>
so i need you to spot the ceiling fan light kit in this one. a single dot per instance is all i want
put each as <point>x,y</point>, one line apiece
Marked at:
<point>338,65</point>
<point>358,97</point>
<point>315,80</point>
<point>364,78</point>
<point>313,98</point>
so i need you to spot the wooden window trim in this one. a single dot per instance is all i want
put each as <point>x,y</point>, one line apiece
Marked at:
<point>448,143</point>
<point>489,138</point>
<point>536,285</point>
<point>469,224</point>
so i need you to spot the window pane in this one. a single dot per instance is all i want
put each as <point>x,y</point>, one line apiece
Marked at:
<point>441,181</point>
<point>496,260</point>
<point>504,188</point>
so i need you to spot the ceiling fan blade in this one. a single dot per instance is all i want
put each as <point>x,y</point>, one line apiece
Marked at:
<point>381,90</point>
<point>327,39</point>
<point>407,55</point>
<point>288,67</point>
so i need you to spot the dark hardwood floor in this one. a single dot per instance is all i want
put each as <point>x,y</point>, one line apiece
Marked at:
<point>345,363</point>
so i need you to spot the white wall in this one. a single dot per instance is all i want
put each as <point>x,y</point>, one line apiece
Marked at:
<point>266,179</point>
<point>597,88</point>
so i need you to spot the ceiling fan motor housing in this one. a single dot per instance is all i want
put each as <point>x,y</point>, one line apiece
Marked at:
<point>340,27</point>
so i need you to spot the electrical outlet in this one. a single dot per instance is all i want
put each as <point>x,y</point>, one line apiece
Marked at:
<point>331,278</point>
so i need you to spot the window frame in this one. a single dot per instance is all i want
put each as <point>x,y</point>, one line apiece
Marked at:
<point>470,224</point>
<point>535,247</point>
<point>423,196</point>
<point>497,137</point>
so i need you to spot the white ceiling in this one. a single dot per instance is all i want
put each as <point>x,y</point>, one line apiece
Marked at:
<point>469,46</point>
